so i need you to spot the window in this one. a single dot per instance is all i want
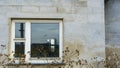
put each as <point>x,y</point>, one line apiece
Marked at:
<point>39,40</point>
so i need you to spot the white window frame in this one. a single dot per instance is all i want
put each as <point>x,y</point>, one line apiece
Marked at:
<point>27,41</point>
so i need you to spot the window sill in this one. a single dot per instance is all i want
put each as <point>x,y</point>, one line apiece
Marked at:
<point>37,64</point>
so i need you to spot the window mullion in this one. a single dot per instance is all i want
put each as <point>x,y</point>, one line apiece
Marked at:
<point>27,43</point>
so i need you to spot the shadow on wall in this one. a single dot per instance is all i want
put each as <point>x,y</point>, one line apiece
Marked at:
<point>106,1</point>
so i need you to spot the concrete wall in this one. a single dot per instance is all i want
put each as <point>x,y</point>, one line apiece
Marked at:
<point>113,23</point>
<point>84,25</point>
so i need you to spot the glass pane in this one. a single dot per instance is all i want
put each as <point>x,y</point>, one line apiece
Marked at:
<point>19,49</point>
<point>19,30</point>
<point>45,40</point>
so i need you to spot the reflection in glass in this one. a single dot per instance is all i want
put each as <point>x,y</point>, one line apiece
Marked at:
<point>45,40</point>
<point>19,30</point>
<point>19,49</point>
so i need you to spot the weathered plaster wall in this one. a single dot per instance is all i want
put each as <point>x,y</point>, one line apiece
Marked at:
<point>113,23</point>
<point>83,21</point>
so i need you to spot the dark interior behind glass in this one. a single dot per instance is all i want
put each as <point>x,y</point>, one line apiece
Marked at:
<point>19,49</point>
<point>44,40</point>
